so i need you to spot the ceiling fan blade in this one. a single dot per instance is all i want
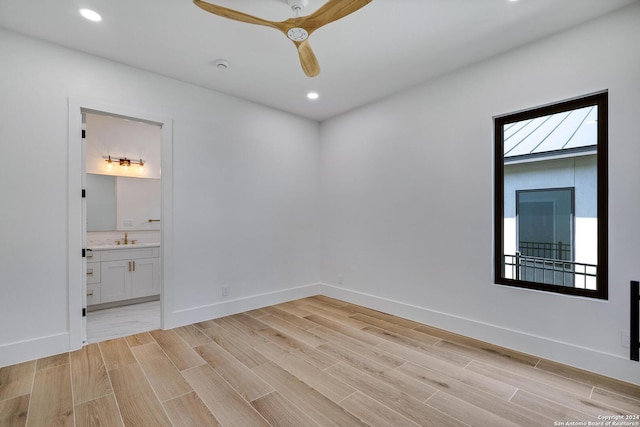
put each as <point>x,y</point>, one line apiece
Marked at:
<point>233,14</point>
<point>308,59</point>
<point>331,11</point>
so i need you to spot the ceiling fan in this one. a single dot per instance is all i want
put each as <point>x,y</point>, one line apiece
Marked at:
<point>297,29</point>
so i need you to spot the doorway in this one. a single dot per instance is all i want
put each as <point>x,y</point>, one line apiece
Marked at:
<point>123,225</point>
<point>151,265</point>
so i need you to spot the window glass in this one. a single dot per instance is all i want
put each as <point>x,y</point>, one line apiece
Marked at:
<point>551,197</point>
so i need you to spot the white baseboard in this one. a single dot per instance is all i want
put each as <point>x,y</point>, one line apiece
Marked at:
<point>213,311</point>
<point>18,352</point>
<point>610,365</point>
<point>23,351</point>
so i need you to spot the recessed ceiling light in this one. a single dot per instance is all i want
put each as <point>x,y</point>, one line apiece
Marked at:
<point>313,95</point>
<point>91,15</point>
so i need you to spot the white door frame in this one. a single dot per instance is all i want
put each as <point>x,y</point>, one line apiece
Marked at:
<point>76,228</point>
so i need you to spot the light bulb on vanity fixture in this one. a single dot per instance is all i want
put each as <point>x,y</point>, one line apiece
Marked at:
<point>109,163</point>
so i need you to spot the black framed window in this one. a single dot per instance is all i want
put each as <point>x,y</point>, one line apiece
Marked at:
<point>551,197</point>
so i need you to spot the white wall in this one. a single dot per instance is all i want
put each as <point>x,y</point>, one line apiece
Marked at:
<point>407,197</point>
<point>244,180</point>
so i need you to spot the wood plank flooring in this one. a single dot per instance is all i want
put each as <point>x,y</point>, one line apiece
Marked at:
<point>311,362</point>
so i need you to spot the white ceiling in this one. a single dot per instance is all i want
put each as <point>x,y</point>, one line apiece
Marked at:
<point>385,47</point>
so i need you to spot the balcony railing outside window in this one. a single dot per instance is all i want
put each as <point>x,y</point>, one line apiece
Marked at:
<point>550,271</point>
<point>546,250</point>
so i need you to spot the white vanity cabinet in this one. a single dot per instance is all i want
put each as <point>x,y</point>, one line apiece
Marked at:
<point>126,273</point>
<point>93,277</point>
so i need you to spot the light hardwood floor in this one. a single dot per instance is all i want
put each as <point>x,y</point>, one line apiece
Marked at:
<point>311,362</point>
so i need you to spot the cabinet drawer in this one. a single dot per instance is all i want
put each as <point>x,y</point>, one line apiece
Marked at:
<point>92,256</point>
<point>93,294</point>
<point>93,272</point>
<point>127,254</point>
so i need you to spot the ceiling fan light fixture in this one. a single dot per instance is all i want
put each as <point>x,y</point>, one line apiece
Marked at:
<point>298,34</point>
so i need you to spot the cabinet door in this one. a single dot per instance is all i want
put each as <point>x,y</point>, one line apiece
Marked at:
<point>145,278</point>
<point>116,281</point>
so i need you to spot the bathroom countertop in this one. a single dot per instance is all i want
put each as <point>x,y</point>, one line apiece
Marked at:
<point>128,246</point>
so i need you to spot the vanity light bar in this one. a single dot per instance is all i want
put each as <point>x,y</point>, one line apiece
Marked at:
<point>123,161</point>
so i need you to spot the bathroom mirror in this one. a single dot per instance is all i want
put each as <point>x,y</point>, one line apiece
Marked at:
<point>117,203</point>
